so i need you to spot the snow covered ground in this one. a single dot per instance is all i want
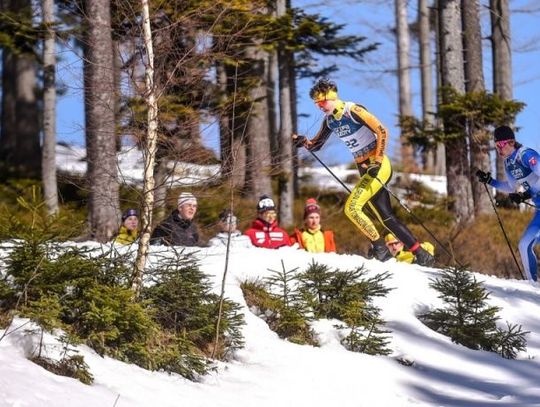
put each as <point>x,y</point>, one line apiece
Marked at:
<point>271,372</point>
<point>71,159</point>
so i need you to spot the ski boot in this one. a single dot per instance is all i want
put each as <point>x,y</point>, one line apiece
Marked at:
<point>423,258</point>
<point>380,251</point>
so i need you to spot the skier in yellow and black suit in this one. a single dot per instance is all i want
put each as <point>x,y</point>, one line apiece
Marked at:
<point>366,138</point>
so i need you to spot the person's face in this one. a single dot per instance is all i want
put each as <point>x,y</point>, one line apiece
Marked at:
<point>268,216</point>
<point>131,222</point>
<point>188,210</point>
<point>326,105</point>
<point>313,221</point>
<point>227,227</point>
<point>394,246</point>
<point>505,147</point>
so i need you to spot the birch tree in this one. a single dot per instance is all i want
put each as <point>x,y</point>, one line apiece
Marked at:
<point>48,160</point>
<point>149,152</point>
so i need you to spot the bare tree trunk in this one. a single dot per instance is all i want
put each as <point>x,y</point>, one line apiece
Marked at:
<point>161,177</point>
<point>501,46</point>
<point>149,152</point>
<point>19,142</point>
<point>404,81</point>
<point>426,79</point>
<point>440,151</point>
<point>286,189</point>
<point>294,116</point>
<point>8,139</point>
<point>117,90</point>
<point>225,130</point>
<point>258,166</point>
<point>474,82</point>
<point>48,160</point>
<point>27,156</point>
<point>100,121</point>
<point>457,164</point>
<point>233,154</point>
<point>273,116</point>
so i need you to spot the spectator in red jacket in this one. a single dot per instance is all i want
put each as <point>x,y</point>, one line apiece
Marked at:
<point>313,238</point>
<point>264,231</point>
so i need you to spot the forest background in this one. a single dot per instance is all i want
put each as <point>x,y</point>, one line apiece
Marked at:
<point>252,44</point>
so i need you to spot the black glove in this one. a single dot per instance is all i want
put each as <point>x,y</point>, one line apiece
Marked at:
<point>519,197</point>
<point>484,177</point>
<point>373,169</point>
<point>299,141</point>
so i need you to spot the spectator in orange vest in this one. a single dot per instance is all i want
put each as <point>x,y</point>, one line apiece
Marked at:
<point>313,238</point>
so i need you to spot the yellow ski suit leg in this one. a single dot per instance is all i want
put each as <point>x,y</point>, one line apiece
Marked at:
<point>365,190</point>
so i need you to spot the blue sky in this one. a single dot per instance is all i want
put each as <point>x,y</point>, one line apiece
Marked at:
<point>374,85</point>
<point>371,83</point>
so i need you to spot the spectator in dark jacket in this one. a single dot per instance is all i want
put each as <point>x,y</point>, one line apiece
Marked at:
<point>179,229</point>
<point>264,231</point>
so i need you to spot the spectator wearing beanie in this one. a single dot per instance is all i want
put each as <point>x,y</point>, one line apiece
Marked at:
<point>128,232</point>
<point>227,231</point>
<point>312,237</point>
<point>264,231</point>
<point>179,229</point>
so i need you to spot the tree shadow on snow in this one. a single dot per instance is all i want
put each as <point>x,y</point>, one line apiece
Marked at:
<point>518,381</point>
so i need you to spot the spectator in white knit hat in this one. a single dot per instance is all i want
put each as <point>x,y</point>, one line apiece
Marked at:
<point>179,229</point>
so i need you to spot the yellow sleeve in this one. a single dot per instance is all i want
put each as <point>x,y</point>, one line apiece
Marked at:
<point>363,116</point>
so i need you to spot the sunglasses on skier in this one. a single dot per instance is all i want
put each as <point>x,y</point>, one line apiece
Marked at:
<point>321,103</point>
<point>501,143</point>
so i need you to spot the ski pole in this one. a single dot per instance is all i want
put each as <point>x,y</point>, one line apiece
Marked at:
<point>417,220</point>
<point>504,231</point>
<point>531,205</point>
<point>331,172</point>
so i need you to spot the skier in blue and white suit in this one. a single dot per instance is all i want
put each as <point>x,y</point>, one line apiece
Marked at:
<point>522,167</point>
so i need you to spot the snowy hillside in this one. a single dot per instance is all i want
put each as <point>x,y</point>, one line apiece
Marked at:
<point>271,372</point>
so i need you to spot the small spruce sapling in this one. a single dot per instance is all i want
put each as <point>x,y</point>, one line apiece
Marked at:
<point>467,318</point>
<point>348,295</point>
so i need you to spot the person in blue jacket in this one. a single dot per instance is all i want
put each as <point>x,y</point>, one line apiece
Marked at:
<point>522,169</point>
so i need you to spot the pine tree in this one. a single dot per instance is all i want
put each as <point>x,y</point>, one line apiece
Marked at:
<point>468,319</point>
<point>183,303</point>
<point>366,332</point>
<point>87,294</point>
<point>348,296</point>
<point>284,281</point>
<point>293,318</point>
